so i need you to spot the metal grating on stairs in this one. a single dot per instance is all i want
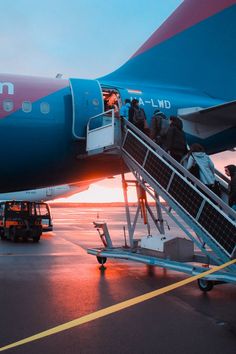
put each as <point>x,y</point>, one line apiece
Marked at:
<point>200,205</point>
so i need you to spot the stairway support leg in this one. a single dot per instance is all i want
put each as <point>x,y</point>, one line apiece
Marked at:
<point>159,214</point>
<point>130,228</point>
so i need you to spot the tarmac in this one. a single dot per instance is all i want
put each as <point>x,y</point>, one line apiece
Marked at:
<point>55,281</point>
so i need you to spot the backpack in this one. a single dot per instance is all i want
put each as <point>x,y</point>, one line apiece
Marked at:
<point>195,169</point>
<point>159,127</point>
<point>164,125</point>
<point>139,116</point>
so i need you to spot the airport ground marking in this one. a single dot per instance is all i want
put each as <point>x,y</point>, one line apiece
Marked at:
<point>115,308</point>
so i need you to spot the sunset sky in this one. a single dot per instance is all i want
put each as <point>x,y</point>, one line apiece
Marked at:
<point>83,39</point>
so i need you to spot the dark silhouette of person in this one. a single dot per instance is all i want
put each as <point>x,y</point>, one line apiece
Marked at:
<point>175,139</point>
<point>137,116</point>
<point>230,171</point>
<point>159,128</point>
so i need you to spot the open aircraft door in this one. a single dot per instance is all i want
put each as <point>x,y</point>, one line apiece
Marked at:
<point>87,101</point>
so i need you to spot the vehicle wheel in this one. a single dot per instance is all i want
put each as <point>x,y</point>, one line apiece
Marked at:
<point>101,260</point>
<point>205,285</point>
<point>13,235</point>
<point>36,234</point>
<point>2,235</point>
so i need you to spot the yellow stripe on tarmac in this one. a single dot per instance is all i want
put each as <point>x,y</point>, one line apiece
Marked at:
<point>114,308</point>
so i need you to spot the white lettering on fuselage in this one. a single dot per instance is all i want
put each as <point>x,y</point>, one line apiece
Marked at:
<point>7,87</point>
<point>154,102</point>
<point>155,105</point>
<point>141,101</point>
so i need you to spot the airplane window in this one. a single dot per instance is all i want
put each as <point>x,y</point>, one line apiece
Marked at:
<point>27,106</point>
<point>44,107</point>
<point>8,105</point>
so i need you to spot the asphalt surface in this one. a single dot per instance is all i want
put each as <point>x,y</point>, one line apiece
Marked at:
<point>47,284</point>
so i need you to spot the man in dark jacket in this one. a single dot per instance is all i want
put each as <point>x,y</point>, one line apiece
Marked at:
<point>175,139</point>
<point>230,171</point>
<point>159,128</point>
<point>137,116</point>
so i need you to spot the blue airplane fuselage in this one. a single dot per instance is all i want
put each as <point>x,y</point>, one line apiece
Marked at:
<point>187,68</point>
<point>36,128</point>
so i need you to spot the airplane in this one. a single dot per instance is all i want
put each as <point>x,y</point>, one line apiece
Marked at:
<point>44,194</point>
<point>186,68</point>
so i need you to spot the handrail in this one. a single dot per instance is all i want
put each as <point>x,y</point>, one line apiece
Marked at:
<point>210,218</point>
<point>101,115</point>
<point>101,134</point>
<point>182,171</point>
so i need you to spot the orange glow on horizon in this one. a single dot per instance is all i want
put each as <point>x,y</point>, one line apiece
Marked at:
<point>96,193</point>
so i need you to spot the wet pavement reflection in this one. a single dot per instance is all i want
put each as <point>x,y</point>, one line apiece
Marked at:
<point>47,284</point>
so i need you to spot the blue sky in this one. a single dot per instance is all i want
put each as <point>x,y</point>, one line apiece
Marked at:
<point>78,38</point>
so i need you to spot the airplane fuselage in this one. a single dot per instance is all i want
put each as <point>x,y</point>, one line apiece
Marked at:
<point>42,132</point>
<point>44,194</point>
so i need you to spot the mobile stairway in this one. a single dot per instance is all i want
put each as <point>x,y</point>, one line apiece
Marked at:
<point>207,221</point>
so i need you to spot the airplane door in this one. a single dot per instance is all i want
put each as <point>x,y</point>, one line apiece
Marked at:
<point>87,101</point>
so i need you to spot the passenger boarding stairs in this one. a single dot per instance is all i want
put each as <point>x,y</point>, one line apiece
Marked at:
<point>211,221</point>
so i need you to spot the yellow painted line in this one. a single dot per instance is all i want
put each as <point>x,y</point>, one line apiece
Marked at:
<point>114,308</point>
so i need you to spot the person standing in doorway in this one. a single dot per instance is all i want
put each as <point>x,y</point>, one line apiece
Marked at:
<point>111,102</point>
